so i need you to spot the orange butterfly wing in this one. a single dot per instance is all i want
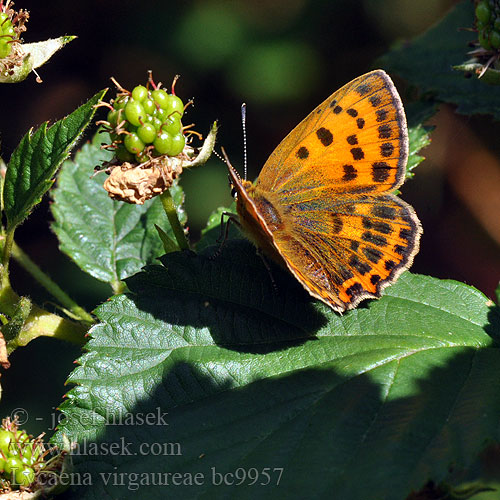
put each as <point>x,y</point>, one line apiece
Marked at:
<point>319,205</point>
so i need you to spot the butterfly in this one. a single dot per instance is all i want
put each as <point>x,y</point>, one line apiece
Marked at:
<point>323,205</point>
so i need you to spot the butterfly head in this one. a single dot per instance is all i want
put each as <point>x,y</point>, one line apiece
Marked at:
<point>236,183</point>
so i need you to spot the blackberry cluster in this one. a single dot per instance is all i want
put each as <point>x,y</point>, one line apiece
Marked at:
<point>488,23</point>
<point>146,123</point>
<point>21,457</point>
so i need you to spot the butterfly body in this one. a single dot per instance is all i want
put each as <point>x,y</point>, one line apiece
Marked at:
<point>322,205</point>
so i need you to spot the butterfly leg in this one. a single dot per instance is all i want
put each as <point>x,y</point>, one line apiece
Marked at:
<point>224,231</point>
<point>269,270</point>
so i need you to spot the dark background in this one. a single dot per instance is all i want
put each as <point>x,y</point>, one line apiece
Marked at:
<point>281,57</point>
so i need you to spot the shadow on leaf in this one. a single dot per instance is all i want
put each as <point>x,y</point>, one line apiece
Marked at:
<point>232,295</point>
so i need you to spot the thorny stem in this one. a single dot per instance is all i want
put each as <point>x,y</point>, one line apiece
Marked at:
<point>169,207</point>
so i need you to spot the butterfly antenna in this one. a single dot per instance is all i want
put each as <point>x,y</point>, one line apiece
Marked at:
<point>214,151</point>
<point>244,127</point>
<point>226,158</point>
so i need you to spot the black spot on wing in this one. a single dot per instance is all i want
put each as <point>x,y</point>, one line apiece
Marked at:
<point>361,267</point>
<point>325,136</point>
<point>384,211</point>
<point>357,153</point>
<point>386,149</point>
<point>354,290</point>
<point>372,254</point>
<point>363,89</point>
<point>380,171</point>
<point>381,115</point>
<point>375,100</point>
<point>354,245</point>
<point>384,131</point>
<point>302,153</point>
<point>390,265</point>
<point>350,173</point>
<point>374,239</point>
<point>405,233</point>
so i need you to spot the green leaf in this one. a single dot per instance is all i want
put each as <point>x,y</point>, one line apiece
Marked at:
<point>427,62</point>
<point>110,240</point>
<point>33,55</point>
<point>235,375</point>
<point>36,159</point>
<point>169,245</point>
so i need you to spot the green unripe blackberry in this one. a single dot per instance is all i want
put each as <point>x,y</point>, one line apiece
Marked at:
<point>175,105</point>
<point>113,117</point>
<point>139,93</point>
<point>6,437</point>
<point>161,114</point>
<point>495,39</point>
<point>160,97</point>
<point>163,143</point>
<point>133,144</point>
<point>12,464</point>
<point>149,106</point>
<point>156,122</point>
<point>120,102</point>
<point>134,112</point>
<point>177,145</point>
<point>172,124</point>
<point>146,133</point>
<point>483,12</point>
<point>25,476</point>
<point>484,39</point>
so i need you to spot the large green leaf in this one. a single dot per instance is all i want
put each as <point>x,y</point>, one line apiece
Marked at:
<point>108,239</point>
<point>427,62</point>
<point>368,405</point>
<point>36,159</point>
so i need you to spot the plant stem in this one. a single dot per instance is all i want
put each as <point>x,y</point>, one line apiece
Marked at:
<point>53,288</point>
<point>41,323</point>
<point>169,207</point>
<point>8,300</point>
<point>118,287</point>
<point>7,249</point>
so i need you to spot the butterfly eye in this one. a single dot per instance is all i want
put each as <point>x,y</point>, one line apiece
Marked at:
<point>234,192</point>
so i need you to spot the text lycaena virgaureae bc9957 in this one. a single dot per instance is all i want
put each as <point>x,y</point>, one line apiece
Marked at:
<point>323,206</point>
